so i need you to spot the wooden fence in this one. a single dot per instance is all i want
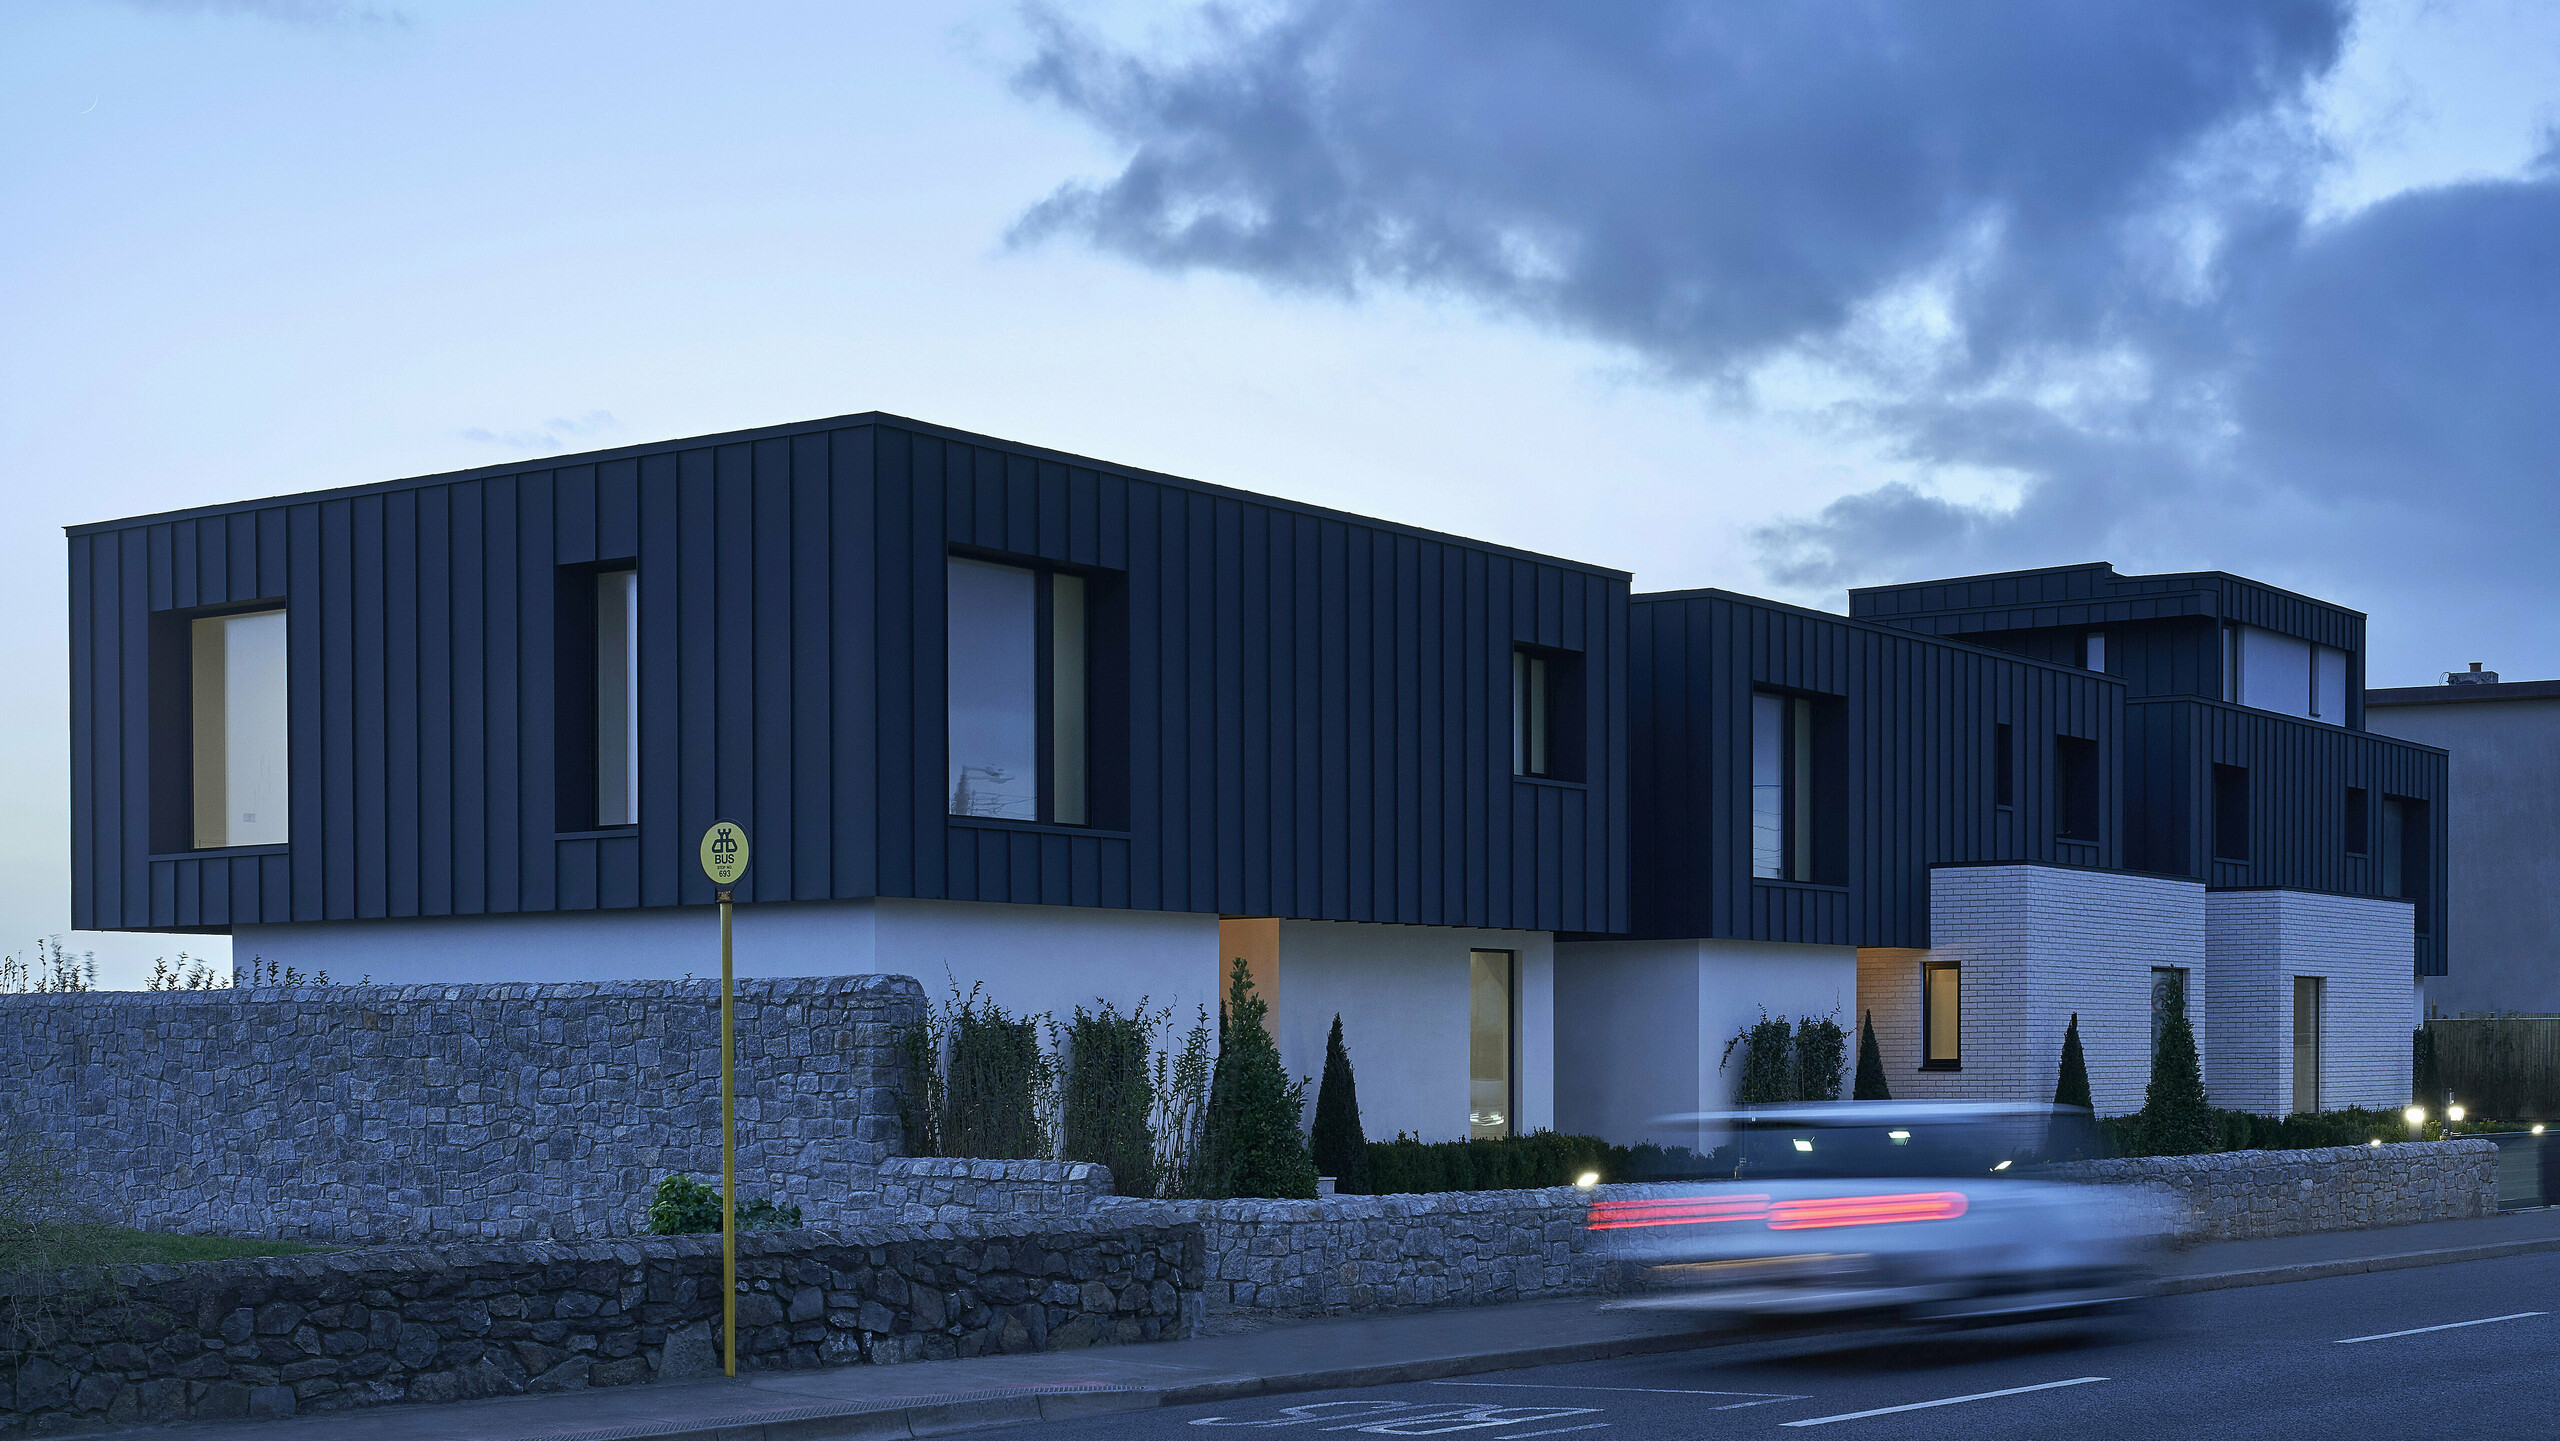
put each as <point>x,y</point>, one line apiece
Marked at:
<point>2501,1067</point>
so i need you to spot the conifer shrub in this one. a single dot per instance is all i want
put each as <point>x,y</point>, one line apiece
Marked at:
<point>2177,1120</point>
<point>1253,1141</point>
<point>2071,1086</point>
<point>1870,1085</point>
<point>1109,1094</point>
<point>1341,1151</point>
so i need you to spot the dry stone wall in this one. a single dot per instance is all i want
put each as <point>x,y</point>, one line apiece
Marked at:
<point>281,1336</point>
<point>385,1113</point>
<point>2244,1195</point>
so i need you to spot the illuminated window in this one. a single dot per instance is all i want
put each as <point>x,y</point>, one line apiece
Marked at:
<point>237,728</point>
<point>1491,977</point>
<point>1941,1016</point>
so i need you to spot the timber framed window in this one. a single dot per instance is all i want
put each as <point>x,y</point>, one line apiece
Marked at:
<point>1029,656</point>
<point>1941,1016</point>
<point>221,727</point>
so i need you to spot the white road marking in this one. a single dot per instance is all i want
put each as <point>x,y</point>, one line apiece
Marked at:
<point>1768,1396</point>
<point>1560,1430</point>
<point>2448,1326</point>
<point>1946,1401</point>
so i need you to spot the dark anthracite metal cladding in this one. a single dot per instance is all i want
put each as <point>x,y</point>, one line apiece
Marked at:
<point>1315,715</point>
<point>1919,783</point>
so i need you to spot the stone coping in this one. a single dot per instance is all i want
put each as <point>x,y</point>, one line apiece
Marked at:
<point>760,988</point>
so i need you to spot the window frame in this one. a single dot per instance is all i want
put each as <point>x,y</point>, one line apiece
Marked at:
<point>1103,654</point>
<point>2079,795</point>
<point>2004,766</point>
<point>577,699</point>
<point>1812,787</point>
<point>1510,1125</point>
<point>2358,830</point>
<point>1556,709</point>
<point>1928,1016</point>
<point>2230,814</point>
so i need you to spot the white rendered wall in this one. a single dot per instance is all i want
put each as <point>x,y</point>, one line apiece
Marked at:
<point>1402,994</point>
<point>2039,943</point>
<point>2258,941</point>
<point>1029,958</point>
<point>1641,1026</point>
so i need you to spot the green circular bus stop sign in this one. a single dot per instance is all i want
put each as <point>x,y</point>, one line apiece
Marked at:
<point>724,853</point>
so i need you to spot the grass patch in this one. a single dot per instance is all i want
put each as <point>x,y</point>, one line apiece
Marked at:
<point>91,1245</point>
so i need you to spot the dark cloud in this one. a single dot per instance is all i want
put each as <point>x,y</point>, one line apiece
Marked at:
<point>2065,243</point>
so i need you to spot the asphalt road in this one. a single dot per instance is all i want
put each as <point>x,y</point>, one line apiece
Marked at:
<point>2310,1359</point>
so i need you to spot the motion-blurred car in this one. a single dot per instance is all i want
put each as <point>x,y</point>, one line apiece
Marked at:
<point>1918,1211</point>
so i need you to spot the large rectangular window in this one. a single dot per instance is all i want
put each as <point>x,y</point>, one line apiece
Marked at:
<point>1941,1016</point>
<point>617,686</point>
<point>2077,790</point>
<point>2230,813</point>
<point>1492,978</point>
<point>1798,790</point>
<point>236,667</point>
<point>1021,690</point>
<point>1546,713</point>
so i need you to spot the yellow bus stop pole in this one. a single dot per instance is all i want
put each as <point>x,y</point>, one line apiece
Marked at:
<point>728,1163</point>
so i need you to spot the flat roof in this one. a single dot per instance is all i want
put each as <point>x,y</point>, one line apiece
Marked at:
<point>2463,693</point>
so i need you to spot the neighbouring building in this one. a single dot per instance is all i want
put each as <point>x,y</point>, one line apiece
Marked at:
<point>996,716</point>
<point>2504,912</point>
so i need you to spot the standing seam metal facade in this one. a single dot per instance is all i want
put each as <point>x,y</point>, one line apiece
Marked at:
<point>1920,714</point>
<point>1316,704</point>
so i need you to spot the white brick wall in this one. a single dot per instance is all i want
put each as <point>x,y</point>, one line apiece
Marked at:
<point>2037,944</point>
<point>2256,942</point>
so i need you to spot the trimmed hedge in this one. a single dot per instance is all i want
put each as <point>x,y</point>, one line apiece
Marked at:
<point>1407,1167</point>
<point>2248,1131</point>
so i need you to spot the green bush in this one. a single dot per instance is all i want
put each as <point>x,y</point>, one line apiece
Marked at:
<point>1821,1054</point>
<point>1768,1065</point>
<point>993,1092</point>
<point>1109,1095</point>
<point>1253,1142</point>
<point>1341,1151</point>
<point>683,1206</point>
<point>2248,1131</point>
<point>2071,1086</point>
<point>2177,1120</point>
<point>1871,1084</point>
<point>1408,1167</point>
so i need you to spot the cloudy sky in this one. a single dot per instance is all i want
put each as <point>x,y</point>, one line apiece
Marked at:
<point>1782,298</point>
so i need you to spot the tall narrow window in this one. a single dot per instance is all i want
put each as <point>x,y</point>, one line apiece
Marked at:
<point>2406,867</point>
<point>2306,1042</point>
<point>2359,821</point>
<point>2004,766</point>
<point>1941,1016</point>
<point>617,739</point>
<point>2329,684</point>
<point>237,692</point>
<point>2077,790</point>
<point>1021,693</point>
<point>1069,740</point>
<point>1491,983</point>
<point>2093,650</point>
<point>1797,816</point>
<point>1546,713</point>
<point>2230,813</point>
<point>2231,664</point>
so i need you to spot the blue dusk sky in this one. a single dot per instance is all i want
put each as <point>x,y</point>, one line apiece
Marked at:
<point>1777,297</point>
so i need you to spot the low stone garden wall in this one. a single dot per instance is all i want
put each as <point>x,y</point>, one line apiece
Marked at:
<point>277,1336</point>
<point>399,1113</point>
<point>2245,1195</point>
<point>924,1190</point>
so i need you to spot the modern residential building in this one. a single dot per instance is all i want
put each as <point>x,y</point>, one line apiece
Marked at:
<point>2503,901</point>
<point>1071,732</point>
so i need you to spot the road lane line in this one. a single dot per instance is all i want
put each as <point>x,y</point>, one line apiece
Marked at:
<point>1947,1401</point>
<point>2448,1326</point>
<point>1560,1430</point>
<point>1645,1390</point>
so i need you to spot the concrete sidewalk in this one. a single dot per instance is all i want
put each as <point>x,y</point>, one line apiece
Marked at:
<point>935,1398</point>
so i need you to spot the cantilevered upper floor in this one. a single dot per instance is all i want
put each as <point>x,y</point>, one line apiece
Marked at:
<point>915,662</point>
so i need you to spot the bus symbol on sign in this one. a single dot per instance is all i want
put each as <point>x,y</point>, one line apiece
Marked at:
<point>724,853</point>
